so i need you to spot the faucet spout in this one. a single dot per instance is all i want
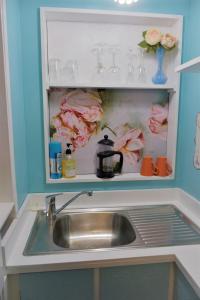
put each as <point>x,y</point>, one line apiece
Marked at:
<point>51,211</point>
<point>89,193</point>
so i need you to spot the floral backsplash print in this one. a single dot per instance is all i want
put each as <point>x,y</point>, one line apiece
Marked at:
<point>78,119</point>
<point>137,122</point>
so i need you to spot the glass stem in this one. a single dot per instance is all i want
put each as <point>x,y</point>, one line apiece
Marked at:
<point>98,60</point>
<point>114,60</point>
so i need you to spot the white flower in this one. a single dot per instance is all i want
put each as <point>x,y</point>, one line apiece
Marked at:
<point>168,41</point>
<point>153,36</point>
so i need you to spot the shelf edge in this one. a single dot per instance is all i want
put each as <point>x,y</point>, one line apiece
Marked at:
<point>93,178</point>
<point>189,65</point>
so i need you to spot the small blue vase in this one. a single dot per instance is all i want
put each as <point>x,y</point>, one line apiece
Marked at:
<point>160,77</point>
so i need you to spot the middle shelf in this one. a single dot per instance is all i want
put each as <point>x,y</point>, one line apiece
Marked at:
<point>122,177</point>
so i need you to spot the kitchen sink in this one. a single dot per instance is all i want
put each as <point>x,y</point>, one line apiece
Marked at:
<point>101,229</point>
<point>93,231</point>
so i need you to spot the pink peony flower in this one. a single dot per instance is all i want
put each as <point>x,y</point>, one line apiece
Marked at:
<point>80,112</point>
<point>153,36</point>
<point>78,126</point>
<point>88,105</point>
<point>160,113</point>
<point>130,142</point>
<point>168,41</point>
<point>158,122</point>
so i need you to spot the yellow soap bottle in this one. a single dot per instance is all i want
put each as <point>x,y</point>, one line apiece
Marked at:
<point>68,164</point>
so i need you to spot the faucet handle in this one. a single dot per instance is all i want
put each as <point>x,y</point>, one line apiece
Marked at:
<point>50,202</point>
<point>53,196</point>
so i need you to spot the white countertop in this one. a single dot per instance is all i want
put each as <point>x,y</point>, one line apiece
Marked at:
<point>5,210</point>
<point>186,257</point>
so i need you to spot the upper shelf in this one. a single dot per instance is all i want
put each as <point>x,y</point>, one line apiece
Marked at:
<point>147,86</point>
<point>77,45</point>
<point>192,66</point>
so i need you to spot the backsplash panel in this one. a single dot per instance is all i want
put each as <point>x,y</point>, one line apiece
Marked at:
<point>136,120</point>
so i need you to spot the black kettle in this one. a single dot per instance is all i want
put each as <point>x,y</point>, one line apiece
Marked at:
<point>107,167</point>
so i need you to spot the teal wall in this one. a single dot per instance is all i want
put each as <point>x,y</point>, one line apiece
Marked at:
<point>188,176</point>
<point>18,109</point>
<point>31,98</point>
<point>25,65</point>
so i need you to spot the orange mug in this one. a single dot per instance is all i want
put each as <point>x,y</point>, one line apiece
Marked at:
<point>147,167</point>
<point>163,168</point>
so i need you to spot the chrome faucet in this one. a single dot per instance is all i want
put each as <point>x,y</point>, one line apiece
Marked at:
<point>51,210</point>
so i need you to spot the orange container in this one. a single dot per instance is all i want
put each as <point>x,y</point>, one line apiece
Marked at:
<point>163,168</point>
<point>147,168</point>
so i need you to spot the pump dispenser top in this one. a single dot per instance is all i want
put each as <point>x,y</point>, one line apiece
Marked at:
<point>68,163</point>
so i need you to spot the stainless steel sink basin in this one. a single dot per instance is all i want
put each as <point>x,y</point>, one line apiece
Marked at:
<point>93,231</point>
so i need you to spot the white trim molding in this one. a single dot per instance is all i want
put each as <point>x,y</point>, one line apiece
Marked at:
<point>6,93</point>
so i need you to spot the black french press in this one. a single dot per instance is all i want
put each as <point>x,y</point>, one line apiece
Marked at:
<point>106,166</point>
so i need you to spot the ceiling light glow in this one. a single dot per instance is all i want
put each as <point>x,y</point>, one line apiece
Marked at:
<point>126,1</point>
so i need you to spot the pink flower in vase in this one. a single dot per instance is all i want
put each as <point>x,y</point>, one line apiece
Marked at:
<point>153,36</point>
<point>129,141</point>
<point>168,41</point>
<point>158,122</point>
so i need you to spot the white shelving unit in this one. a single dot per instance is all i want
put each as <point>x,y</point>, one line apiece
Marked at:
<point>69,33</point>
<point>192,66</point>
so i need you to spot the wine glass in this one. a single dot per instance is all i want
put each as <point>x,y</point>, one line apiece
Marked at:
<point>141,66</point>
<point>131,66</point>
<point>54,69</point>
<point>114,70</point>
<point>99,51</point>
<point>114,50</point>
<point>70,71</point>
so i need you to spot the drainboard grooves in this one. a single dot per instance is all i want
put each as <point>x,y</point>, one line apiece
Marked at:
<point>160,232</point>
<point>173,221</point>
<point>163,226</point>
<point>137,214</point>
<point>164,219</point>
<point>153,227</point>
<point>158,235</point>
<point>163,231</point>
<point>154,217</point>
<point>165,211</point>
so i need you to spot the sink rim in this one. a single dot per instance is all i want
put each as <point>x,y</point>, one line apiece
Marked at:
<point>137,244</point>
